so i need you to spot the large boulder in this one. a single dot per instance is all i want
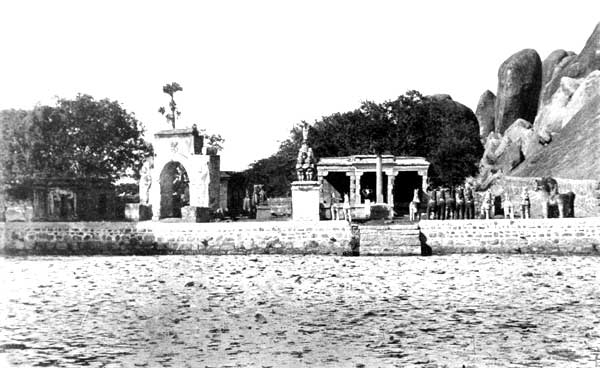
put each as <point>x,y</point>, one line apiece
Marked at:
<point>519,83</point>
<point>485,114</point>
<point>571,97</point>
<point>578,66</point>
<point>522,135</point>
<point>552,63</point>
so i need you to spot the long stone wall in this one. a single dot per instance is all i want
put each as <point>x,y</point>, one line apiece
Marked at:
<point>546,236</point>
<point>176,238</point>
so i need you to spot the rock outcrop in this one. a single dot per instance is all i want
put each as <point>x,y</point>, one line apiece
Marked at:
<point>563,140</point>
<point>578,66</point>
<point>569,99</point>
<point>485,114</point>
<point>519,83</point>
<point>574,153</point>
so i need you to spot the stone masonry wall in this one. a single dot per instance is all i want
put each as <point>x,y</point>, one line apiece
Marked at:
<point>175,238</point>
<point>547,236</point>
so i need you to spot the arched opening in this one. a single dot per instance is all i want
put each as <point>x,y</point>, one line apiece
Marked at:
<point>174,190</point>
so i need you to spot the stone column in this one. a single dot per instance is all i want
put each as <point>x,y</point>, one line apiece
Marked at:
<point>357,176</point>
<point>352,194</point>
<point>390,192</point>
<point>320,176</point>
<point>424,178</point>
<point>378,180</point>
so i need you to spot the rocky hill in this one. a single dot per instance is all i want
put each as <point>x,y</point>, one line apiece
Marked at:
<point>545,117</point>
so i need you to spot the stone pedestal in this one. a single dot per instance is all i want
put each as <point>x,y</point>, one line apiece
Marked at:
<point>195,214</point>
<point>305,200</point>
<point>263,213</point>
<point>138,212</point>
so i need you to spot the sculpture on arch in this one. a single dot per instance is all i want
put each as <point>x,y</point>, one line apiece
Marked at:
<point>555,204</point>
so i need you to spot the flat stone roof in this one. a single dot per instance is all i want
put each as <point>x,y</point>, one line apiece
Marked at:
<point>362,161</point>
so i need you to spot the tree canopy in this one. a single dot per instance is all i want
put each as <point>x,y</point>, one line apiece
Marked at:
<point>78,138</point>
<point>443,131</point>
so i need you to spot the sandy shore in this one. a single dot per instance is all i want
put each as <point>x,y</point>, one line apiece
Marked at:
<point>294,311</point>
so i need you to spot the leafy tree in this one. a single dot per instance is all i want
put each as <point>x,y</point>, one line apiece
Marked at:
<point>78,138</point>
<point>213,141</point>
<point>170,89</point>
<point>443,131</point>
<point>278,171</point>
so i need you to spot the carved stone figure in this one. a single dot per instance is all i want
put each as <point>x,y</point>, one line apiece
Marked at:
<point>306,168</point>
<point>469,204</point>
<point>413,207</point>
<point>507,205</point>
<point>460,203</point>
<point>431,203</point>
<point>555,203</point>
<point>246,205</point>
<point>441,204</point>
<point>450,203</point>
<point>486,205</point>
<point>525,204</point>
<point>146,180</point>
<point>346,208</point>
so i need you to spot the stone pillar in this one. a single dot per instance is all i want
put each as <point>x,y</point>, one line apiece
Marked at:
<point>357,176</point>
<point>352,194</point>
<point>424,178</point>
<point>378,180</point>
<point>320,176</point>
<point>390,193</point>
<point>305,200</point>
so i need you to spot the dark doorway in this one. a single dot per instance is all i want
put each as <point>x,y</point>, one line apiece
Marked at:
<point>368,187</point>
<point>174,190</point>
<point>336,184</point>
<point>404,185</point>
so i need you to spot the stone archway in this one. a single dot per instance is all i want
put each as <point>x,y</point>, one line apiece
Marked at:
<point>174,189</point>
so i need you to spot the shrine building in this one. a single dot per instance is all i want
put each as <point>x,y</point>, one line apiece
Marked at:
<point>357,176</point>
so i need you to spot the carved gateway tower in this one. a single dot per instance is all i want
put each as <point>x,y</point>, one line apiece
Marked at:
<point>184,178</point>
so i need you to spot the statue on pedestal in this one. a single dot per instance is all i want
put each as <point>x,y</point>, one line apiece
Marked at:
<point>306,167</point>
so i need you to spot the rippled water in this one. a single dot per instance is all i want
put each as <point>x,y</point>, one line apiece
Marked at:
<point>193,311</point>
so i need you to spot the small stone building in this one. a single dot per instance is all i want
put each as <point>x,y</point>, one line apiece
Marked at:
<point>70,199</point>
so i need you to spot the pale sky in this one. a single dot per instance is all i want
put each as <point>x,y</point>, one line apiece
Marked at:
<point>251,70</point>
